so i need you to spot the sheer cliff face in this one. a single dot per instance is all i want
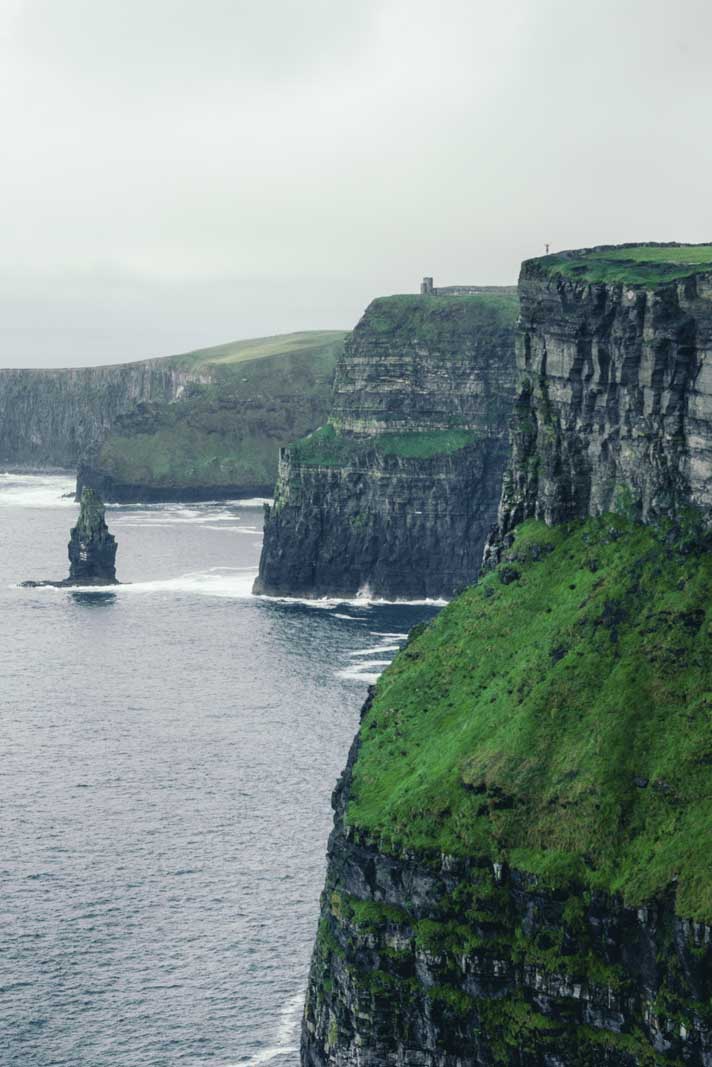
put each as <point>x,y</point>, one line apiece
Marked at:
<point>55,418</point>
<point>397,494</point>
<point>614,404</point>
<point>428,363</point>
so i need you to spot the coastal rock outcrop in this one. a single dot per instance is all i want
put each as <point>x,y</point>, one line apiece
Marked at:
<point>396,494</point>
<point>519,871</point>
<point>92,549</point>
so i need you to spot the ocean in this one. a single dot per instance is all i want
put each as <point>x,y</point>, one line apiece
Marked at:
<point>168,752</point>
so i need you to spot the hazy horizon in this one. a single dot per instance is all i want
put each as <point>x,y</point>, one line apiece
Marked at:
<point>177,176</point>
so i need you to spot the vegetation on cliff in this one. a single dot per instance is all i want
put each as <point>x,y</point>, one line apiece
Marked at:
<point>327,447</point>
<point>223,434</point>
<point>557,717</point>
<point>437,319</point>
<point>644,264</point>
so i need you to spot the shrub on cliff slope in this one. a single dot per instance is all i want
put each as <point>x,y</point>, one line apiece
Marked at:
<point>558,716</point>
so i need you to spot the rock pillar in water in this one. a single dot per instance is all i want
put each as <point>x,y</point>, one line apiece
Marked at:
<point>92,549</point>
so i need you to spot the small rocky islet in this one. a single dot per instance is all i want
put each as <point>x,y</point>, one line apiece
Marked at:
<point>91,549</point>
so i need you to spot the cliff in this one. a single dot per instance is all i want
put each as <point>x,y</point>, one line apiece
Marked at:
<point>123,426</point>
<point>396,494</point>
<point>520,867</point>
<point>614,404</point>
<point>220,438</point>
<point>54,417</point>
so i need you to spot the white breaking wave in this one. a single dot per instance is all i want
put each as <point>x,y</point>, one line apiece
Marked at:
<point>359,676</point>
<point>286,1038</point>
<point>364,672</point>
<point>20,490</point>
<point>380,633</point>
<point>234,583</point>
<point>373,651</point>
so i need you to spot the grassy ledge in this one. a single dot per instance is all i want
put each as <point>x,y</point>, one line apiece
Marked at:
<point>326,447</point>
<point>640,265</point>
<point>558,716</point>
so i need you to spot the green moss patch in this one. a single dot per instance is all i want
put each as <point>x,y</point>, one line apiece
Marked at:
<point>640,265</point>
<point>558,716</point>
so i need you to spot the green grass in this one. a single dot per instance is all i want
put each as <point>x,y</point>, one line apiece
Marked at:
<point>517,724</point>
<point>327,447</point>
<point>439,320</point>
<point>640,265</point>
<point>310,342</point>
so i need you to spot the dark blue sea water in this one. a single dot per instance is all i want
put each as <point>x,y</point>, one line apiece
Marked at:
<point>168,753</point>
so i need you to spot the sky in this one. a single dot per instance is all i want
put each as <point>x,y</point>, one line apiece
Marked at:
<point>176,173</point>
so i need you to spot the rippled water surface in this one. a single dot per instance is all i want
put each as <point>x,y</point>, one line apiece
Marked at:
<point>168,753</point>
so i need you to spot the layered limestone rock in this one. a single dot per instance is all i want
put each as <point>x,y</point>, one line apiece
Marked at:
<point>92,549</point>
<point>614,401</point>
<point>396,495</point>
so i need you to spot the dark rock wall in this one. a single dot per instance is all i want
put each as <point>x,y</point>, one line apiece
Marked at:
<point>56,417</point>
<point>614,402</point>
<point>386,525</point>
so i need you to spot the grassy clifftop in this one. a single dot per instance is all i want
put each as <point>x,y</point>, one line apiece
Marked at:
<point>558,716</point>
<point>637,265</point>
<point>313,344</point>
<point>438,318</point>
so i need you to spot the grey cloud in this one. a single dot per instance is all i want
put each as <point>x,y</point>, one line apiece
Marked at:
<point>177,173</point>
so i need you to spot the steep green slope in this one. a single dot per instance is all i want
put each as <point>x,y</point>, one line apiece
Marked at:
<point>222,436</point>
<point>558,717</point>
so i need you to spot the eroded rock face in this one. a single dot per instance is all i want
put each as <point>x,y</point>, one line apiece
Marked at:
<point>56,417</point>
<point>433,961</point>
<point>92,549</point>
<point>394,519</point>
<point>386,525</point>
<point>614,401</point>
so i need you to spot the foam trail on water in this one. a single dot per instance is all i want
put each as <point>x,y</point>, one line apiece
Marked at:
<point>20,490</point>
<point>286,1038</point>
<point>233,583</point>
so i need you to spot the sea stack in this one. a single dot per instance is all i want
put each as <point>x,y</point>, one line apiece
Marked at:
<point>92,549</point>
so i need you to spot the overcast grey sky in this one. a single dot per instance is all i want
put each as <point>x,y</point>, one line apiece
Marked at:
<point>177,173</point>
